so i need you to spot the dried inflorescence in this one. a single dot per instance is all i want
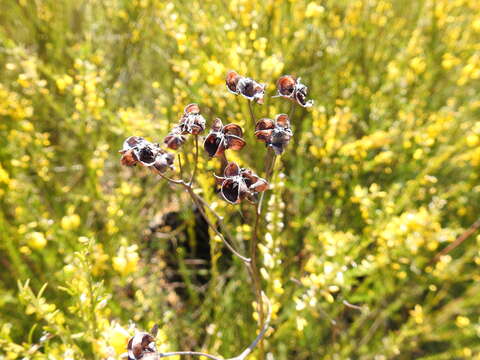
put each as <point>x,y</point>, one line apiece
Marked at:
<point>222,138</point>
<point>275,133</point>
<point>139,345</point>
<point>247,87</point>
<point>192,122</point>
<point>291,88</point>
<point>137,150</point>
<point>238,184</point>
<point>175,138</point>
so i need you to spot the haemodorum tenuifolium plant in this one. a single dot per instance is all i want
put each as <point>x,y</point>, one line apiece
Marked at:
<point>376,187</point>
<point>236,185</point>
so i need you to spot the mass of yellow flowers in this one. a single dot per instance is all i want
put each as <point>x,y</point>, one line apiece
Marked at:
<point>371,246</point>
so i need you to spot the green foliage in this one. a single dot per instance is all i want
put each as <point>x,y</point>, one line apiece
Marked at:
<point>381,175</point>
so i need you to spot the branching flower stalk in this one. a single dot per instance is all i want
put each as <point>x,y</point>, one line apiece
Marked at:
<point>255,273</point>
<point>236,184</point>
<point>202,205</point>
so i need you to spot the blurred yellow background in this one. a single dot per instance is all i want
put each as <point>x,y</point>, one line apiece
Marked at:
<point>381,175</point>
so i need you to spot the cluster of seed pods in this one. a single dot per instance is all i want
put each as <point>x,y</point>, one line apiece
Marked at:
<point>237,183</point>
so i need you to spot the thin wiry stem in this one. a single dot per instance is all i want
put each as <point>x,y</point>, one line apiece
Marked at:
<point>173,181</point>
<point>256,274</point>
<point>201,203</point>
<point>185,353</point>
<point>180,165</point>
<point>292,110</point>
<point>253,247</point>
<point>195,165</point>
<point>268,174</point>
<point>250,263</point>
<point>195,198</point>
<point>242,356</point>
<point>250,109</point>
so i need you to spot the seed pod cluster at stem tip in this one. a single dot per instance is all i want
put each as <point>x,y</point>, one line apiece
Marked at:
<point>291,88</point>
<point>222,138</point>
<point>239,183</point>
<point>236,184</point>
<point>245,86</point>
<point>275,133</point>
<point>137,150</point>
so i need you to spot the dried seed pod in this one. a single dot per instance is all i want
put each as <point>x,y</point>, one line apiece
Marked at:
<point>286,86</point>
<point>191,109</point>
<point>174,140</point>
<point>222,138</point>
<point>140,345</point>
<point>238,184</point>
<point>137,150</point>
<point>163,162</point>
<point>276,134</point>
<point>232,80</point>
<point>291,88</point>
<point>128,151</point>
<point>128,158</point>
<point>192,122</point>
<point>146,154</point>
<point>247,87</point>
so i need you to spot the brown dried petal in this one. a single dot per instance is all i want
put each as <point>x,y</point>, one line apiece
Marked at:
<point>131,142</point>
<point>246,86</point>
<point>282,120</point>
<point>192,124</point>
<point>249,177</point>
<point>234,142</point>
<point>217,125</point>
<point>264,124</point>
<point>232,80</point>
<point>128,158</point>
<point>232,129</point>
<point>264,135</point>
<point>192,109</point>
<point>259,93</point>
<point>301,96</point>
<point>231,191</point>
<point>234,191</point>
<point>259,186</point>
<point>174,140</point>
<point>163,162</point>
<point>232,169</point>
<point>286,85</point>
<point>251,89</point>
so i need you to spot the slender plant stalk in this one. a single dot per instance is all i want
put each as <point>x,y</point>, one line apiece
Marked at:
<point>268,174</point>
<point>253,250</point>
<point>242,356</point>
<point>180,165</point>
<point>250,109</point>
<point>195,198</point>
<point>195,165</point>
<point>254,271</point>
<point>202,204</point>
<point>292,111</point>
<point>250,263</point>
